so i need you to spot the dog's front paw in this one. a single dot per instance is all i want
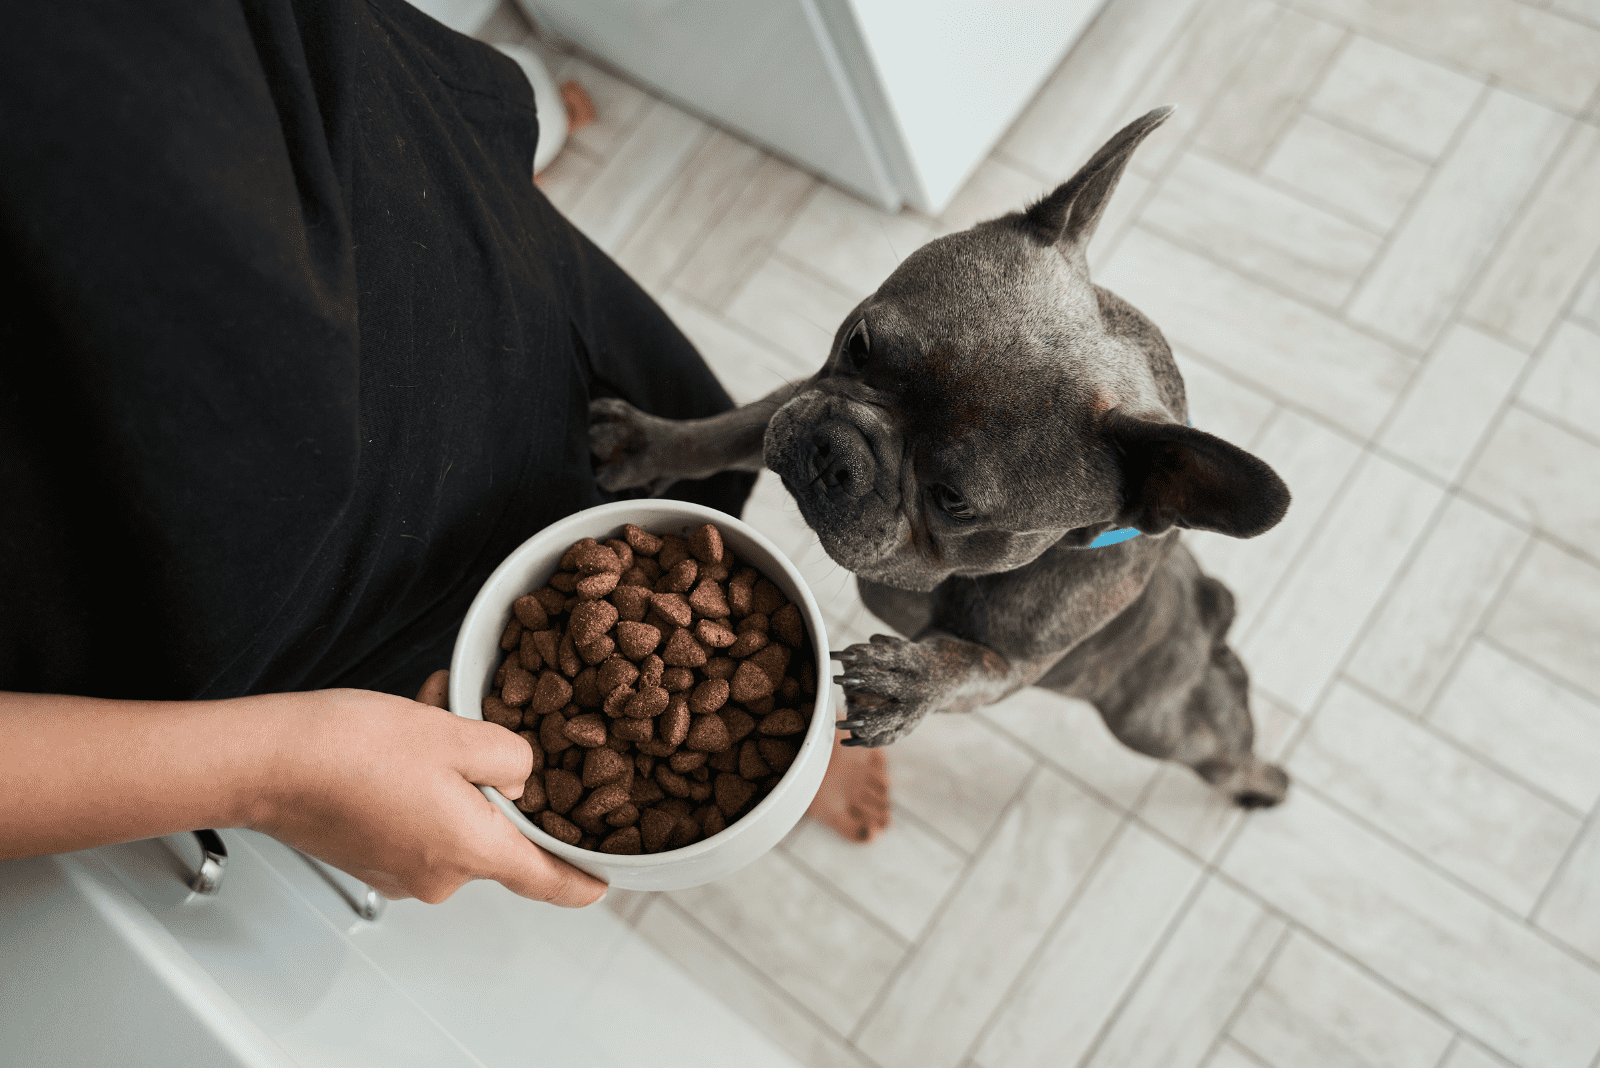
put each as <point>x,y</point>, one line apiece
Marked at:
<point>888,688</point>
<point>629,446</point>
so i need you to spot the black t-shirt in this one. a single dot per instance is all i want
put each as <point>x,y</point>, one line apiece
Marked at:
<point>294,353</point>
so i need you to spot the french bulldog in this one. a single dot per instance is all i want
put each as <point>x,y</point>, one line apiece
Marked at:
<point>987,425</point>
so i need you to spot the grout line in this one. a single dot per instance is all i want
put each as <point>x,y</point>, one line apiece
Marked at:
<point>1587,827</point>
<point>1249,992</point>
<point>1539,669</point>
<point>1343,124</point>
<point>1449,1050</point>
<point>1242,1050</point>
<point>838,893</point>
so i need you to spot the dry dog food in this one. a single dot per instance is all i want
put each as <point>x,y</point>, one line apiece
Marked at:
<point>664,687</point>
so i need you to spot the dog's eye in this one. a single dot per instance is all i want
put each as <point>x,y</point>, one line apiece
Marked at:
<point>953,504</point>
<point>857,348</point>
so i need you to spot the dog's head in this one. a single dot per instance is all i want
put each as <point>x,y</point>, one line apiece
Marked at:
<point>989,401</point>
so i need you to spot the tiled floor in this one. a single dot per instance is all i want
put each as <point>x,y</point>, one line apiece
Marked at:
<point>1370,232</point>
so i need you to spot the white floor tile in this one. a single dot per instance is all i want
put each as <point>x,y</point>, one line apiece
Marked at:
<point>1572,911</point>
<point>629,184</point>
<point>1316,1008</point>
<point>1458,218</point>
<point>1586,302</point>
<point>1482,971</point>
<point>957,975</point>
<point>957,774</point>
<point>1293,350</point>
<point>1221,405</point>
<point>792,310</point>
<point>1196,982</point>
<point>1367,181</point>
<point>1297,644</point>
<point>1435,606</point>
<point>742,240</point>
<point>1073,736</point>
<point>1565,381</point>
<point>851,244</point>
<point>1518,44</point>
<point>900,878</point>
<point>1464,816</point>
<point>803,939</point>
<point>1467,1055</point>
<point>1251,115</point>
<point>1547,615</point>
<point>1091,960</point>
<point>1452,401</point>
<point>747,367</point>
<point>1259,229</point>
<point>1409,102</point>
<point>995,188</point>
<point>1546,251</point>
<point>1525,722</point>
<point>1544,474</point>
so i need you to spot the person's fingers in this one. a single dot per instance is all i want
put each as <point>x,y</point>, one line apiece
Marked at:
<point>493,756</point>
<point>530,872</point>
<point>436,690</point>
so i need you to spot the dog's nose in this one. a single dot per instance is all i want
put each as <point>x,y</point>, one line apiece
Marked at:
<point>842,460</point>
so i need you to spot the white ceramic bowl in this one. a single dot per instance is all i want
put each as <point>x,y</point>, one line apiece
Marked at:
<point>477,655</point>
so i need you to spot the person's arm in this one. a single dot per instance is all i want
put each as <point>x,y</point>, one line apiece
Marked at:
<point>376,785</point>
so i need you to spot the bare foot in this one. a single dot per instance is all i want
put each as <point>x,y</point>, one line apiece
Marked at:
<point>854,796</point>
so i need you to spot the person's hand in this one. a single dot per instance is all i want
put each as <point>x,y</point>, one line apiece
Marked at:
<point>383,788</point>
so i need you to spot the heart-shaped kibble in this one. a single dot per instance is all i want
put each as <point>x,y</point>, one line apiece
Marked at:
<point>518,687</point>
<point>599,802</point>
<point>673,606</point>
<point>560,828</point>
<point>617,671</point>
<point>677,679</point>
<point>631,602</point>
<point>624,815</point>
<point>783,722</point>
<point>733,792</point>
<point>673,723</point>
<point>680,577</point>
<point>594,587</point>
<point>740,722</point>
<point>684,761</point>
<point>563,789</point>
<point>789,626</point>
<point>705,542</point>
<point>602,766</point>
<point>747,642</point>
<point>533,797</point>
<point>709,600</point>
<point>637,640</point>
<point>501,714</point>
<point>587,730</point>
<point>641,540</point>
<point>594,558</point>
<point>709,696</point>
<point>552,692</point>
<point>655,826</point>
<point>750,683</point>
<point>530,612</point>
<point>708,734</point>
<point>590,620</point>
<point>650,701</point>
<point>751,766</point>
<point>713,633</point>
<point>624,843</point>
<point>632,730</point>
<point>683,651</point>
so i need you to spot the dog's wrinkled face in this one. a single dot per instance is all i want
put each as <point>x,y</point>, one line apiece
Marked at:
<point>988,402</point>
<point>953,429</point>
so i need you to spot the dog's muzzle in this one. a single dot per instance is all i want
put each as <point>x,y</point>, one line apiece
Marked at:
<point>840,461</point>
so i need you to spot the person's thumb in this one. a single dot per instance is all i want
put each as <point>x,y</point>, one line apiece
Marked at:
<point>436,691</point>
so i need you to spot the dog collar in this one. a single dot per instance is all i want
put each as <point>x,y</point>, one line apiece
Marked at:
<point>1121,534</point>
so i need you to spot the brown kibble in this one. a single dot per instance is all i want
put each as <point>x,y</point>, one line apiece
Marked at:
<point>591,620</point>
<point>713,633</point>
<point>790,628</point>
<point>751,766</point>
<point>655,826</point>
<point>511,635</point>
<point>651,569</point>
<point>594,587</point>
<point>500,673</point>
<point>699,789</point>
<point>569,559</point>
<point>623,550</point>
<point>551,600</point>
<point>646,791</point>
<point>533,799</point>
<point>531,736</point>
<point>685,761</point>
<point>749,641</point>
<point>594,828</point>
<point>641,540</point>
<point>683,651</point>
<point>560,828</point>
<point>626,842</point>
<point>766,598</point>
<point>563,789</point>
<point>624,815</point>
<point>586,688</point>
<point>620,745</point>
<point>677,679</point>
<point>727,760</point>
<point>755,621</point>
<point>645,765</point>
<point>672,782</point>
<point>617,700</point>
<point>518,687</point>
<point>567,657</point>
<point>597,804</point>
<point>709,696</point>
<point>660,622</point>
<point>564,581</point>
<point>709,734</point>
<point>650,670</point>
<point>588,730</point>
<point>530,612</point>
<point>750,683</point>
<point>595,652</point>
<point>550,693</point>
<point>760,706</point>
<point>684,832</point>
<point>774,660</point>
<point>594,559</point>
<point>673,606</point>
<point>572,760</point>
<point>733,793</point>
<point>657,748</point>
<point>648,702</point>
<point>637,640</point>
<point>602,766</point>
<point>631,602</point>
<point>700,774</point>
<point>553,734</point>
<point>528,654</point>
<point>632,730</point>
<point>741,591</point>
<point>674,550</point>
<point>713,823</point>
<point>783,722</point>
<point>705,542</point>
<point>708,600</point>
<point>678,806</point>
<point>788,689</point>
<point>616,671</point>
<point>721,668</point>
<point>546,641</point>
<point>674,722</point>
<point>501,714</point>
<point>636,578</point>
<point>739,722</point>
<point>680,577</point>
<point>717,572</point>
<point>808,679</point>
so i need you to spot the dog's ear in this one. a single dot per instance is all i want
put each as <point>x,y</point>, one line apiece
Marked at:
<point>1177,476</point>
<point>1068,216</point>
